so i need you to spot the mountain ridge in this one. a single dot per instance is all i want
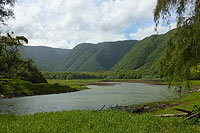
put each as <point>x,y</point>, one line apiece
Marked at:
<point>43,56</point>
<point>95,57</point>
<point>104,56</point>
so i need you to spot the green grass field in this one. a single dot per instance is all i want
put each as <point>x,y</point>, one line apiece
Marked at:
<point>91,121</point>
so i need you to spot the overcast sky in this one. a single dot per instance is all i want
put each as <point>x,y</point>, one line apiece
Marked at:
<point>66,23</point>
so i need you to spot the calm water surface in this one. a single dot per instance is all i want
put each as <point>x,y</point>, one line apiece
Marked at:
<point>94,98</point>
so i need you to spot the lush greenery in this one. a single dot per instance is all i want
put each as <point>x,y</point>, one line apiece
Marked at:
<point>182,51</point>
<point>44,57</point>
<point>12,65</point>
<point>72,83</point>
<point>104,121</point>
<point>144,54</point>
<point>91,121</point>
<point>96,75</point>
<point>110,75</point>
<point>179,62</point>
<point>106,56</point>
<point>84,57</point>
<point>90,57</point>
<point>15,87</point>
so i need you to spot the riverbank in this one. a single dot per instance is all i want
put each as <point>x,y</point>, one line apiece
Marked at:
<point>111,82</point>
<point>104,121</point>
<point>17,88</point>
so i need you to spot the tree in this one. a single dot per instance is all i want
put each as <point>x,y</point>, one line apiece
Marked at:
<point>12,65</point>
<point>6,10</point>
<point>9,52</point>
<point>183,48</point>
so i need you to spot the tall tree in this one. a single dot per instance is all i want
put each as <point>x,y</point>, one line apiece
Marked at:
<point>11,64</point>
<point>183,48</point>
<point>6,10</point>
<point>9,52</point>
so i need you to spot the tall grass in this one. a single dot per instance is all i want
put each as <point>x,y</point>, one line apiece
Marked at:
<point>91,121</point>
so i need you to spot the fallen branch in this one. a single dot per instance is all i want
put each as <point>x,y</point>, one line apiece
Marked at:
<point>185,111</point>
<point>191,116</point>
<point>172,115</point>
<point>102,108</point>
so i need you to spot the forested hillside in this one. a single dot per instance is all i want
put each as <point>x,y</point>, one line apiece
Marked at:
<point>87,57</point>
<point>84,57</point>
<point>44,57</point>
<point>95,57</point>
<point>145,53</point>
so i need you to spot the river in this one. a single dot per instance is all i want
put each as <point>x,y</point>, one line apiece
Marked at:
<point>93,98</point>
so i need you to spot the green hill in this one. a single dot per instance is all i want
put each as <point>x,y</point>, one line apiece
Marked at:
<point>44,57</point>
<point>95,57</point>
<point>105,56</point>
<point>144,54</point>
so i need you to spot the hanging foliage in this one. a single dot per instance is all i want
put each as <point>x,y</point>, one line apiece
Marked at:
<point>183,48</point>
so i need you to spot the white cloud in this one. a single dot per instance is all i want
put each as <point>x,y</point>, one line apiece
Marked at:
<point>147,31</point>
<point>66,23</point>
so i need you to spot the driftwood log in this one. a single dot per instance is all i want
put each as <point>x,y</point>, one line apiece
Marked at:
<point>102,108</point>
<point>183,110</point>
<point>189,114</point>
<point>172,115</point>
<point>186,113</point>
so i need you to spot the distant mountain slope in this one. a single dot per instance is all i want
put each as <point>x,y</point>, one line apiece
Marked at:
<point>95,57</point>
<point>144,53</point>
<point>87,57</point>
<point>44,57</point>
<point>78,56</point>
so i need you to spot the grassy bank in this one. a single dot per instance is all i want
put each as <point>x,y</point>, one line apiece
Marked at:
<point>91,121</point>
<point>104,121</point>
<point>16,88</point>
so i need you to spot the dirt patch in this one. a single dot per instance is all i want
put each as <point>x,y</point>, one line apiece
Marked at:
<point>157,83</point>
<point>117,82</point>
<point>138,81</point>
<point>102,83</point>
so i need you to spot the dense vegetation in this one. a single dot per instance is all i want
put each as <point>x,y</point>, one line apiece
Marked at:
<point>144,54</point>
<point>106,56</point>
<point>90,57</point>
<point>109,75</point>
<point>180,61</point>
<point>101,75</point>
<point>16,87</point>
<point>183,48</point>
<point>44,57</point>
<point>11,63</point>
<point>84,57</point>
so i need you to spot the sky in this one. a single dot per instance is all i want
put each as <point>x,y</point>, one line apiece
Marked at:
<point>67,23</point>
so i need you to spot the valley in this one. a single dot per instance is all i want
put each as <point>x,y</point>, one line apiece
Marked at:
<point>105,56</point>
<point>110,66</point>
